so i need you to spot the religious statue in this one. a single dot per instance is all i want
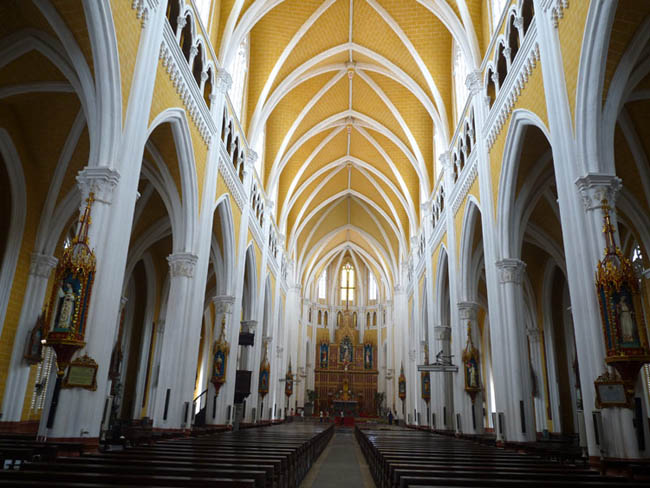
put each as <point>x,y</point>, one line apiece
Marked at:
<point>426,385</point>
<point>625,312</point>
<point>324,354</point>
<point>346,350</point>
<point>624,330</point>
<point>472,375</point>
<point>65,308</point>
<point>401,384</point>
<point>70,299</point>
<point>471,360</point>
<point>265,371</point>
<point>288,385</point>
<point>367,357</point>
<point>220,358</point>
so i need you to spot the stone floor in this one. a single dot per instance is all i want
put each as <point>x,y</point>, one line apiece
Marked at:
<point>341,464</point>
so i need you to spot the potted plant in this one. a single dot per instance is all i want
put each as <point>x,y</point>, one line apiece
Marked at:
<point>311,400</point>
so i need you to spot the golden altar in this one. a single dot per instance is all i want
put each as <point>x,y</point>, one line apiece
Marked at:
<point>346,372</point>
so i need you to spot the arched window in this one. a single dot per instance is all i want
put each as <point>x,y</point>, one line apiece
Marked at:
<point>239,69</point>
<point>459,70</point>
<point>372,287</point>
<point>347,283</point>
<point>320,317</point>
<point>322,286</point>
<point>325,319</point>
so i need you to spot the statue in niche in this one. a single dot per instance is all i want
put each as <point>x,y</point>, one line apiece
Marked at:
<point>625,311</point>
<point>345,354</point>
<point>65,307</point>
<point>324,354</point>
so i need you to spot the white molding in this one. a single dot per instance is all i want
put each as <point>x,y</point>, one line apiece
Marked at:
<point>232,180</point>
<point>514,83</point>
<point>143,9</point>
<point>179,72</point>
<point>464,182</point>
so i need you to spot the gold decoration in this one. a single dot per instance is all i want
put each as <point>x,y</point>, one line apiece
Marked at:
<point>611,391</point>
<point>34,346</point>
<point>471,362</point>
<point>425,377</point>
<point>220,359</point>
<point>70,299</point>
<point>288,384</point>
<point>401,384</point>
<point>82,373</point>
<point>265,372</point>
<point>623,325</point>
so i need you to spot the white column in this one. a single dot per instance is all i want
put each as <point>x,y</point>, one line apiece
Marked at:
<point>620,437</point>
<point>79,410</point>
<point>442,383</point>
<point>170,379</point>
<point>535,336</point>
<point>33,301</point>
<point>519,429</point>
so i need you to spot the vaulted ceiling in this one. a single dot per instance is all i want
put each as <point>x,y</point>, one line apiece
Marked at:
<point>349,98</point>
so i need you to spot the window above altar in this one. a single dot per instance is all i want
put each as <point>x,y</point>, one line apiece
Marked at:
<point>347,284</point>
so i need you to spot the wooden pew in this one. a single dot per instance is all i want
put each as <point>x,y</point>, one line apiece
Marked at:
<point>274,457</point>
<point>401,458</point>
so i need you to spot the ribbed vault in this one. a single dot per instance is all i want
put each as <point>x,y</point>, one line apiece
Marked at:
<point>348,97</point>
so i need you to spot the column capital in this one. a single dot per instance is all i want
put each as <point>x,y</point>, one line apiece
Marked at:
<point>223,303</point>
<point>511,270</point>
<point>160,326</point>
<point>223,81</point>
<point>596,187</point>
<point>445,161</point>
<point>474,82</point>
<point>193,51</point>
<point>99,180</point>
<point>534,335</point>
<point>467,310</point>
<point>248,325</point>
<point>426,208</point>
<point>182,264</point>
<point>251,158</point>
<point>42,264</point>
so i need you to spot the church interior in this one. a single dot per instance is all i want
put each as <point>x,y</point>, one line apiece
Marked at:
<point>298,242</point>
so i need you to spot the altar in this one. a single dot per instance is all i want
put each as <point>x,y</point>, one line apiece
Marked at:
<point>349,408</point>
<point>346,373</point>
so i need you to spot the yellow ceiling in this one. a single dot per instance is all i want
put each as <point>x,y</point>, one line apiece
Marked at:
<point>346,95</point>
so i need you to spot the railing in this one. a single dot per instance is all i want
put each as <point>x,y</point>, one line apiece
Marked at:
<point>199,408</point>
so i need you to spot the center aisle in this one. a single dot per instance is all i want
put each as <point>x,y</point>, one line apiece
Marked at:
<point>341,464</point>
